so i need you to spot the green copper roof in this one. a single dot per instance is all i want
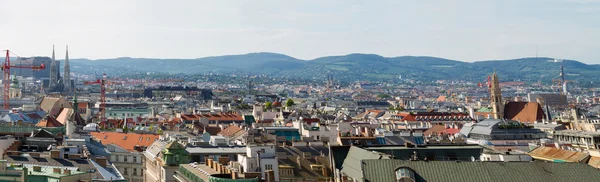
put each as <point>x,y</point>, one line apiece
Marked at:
<point>485,109</point>
<point>249,119</point>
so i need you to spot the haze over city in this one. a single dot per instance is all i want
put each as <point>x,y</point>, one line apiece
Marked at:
<point>460,30</point>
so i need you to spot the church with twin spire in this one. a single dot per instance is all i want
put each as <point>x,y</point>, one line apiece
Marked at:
<point>56,83</point>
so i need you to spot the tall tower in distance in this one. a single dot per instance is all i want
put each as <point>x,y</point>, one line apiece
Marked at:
<point>53,71</point>
<point>67,73</point>
<point>496,98</point>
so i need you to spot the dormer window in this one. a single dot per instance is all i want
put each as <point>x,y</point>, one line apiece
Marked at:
<point>405,174</point>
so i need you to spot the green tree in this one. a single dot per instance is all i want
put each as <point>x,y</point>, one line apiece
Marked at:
<point>268,105</point>
<point>400,108</point>
<point>289,103</point>
<point>383,96</point>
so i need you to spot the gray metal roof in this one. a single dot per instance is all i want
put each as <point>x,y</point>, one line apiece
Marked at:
<point>450,171</point>
<point>352,163</point>
<point>153,150</point>
<point>216,150</point>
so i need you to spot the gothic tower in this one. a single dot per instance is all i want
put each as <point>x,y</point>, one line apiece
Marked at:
<point>67,73</point>
<point>496,98</point>
<point>53,72</point>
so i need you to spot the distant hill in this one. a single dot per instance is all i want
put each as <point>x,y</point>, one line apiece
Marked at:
<point>350,67</point>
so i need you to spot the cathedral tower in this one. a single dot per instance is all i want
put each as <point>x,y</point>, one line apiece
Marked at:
<point>53,72</point>
<point>67,73</point>
<point>496,97</point>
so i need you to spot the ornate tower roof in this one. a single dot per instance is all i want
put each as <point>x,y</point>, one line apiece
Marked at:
<point>174,154</point>
<point>14,82</point>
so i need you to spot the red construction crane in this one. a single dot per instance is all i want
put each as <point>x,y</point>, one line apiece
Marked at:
<point>102,82</point>
<point>6,82</point>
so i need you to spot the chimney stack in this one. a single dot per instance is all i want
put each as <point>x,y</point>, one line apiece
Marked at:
<point>101,161</point>
<point>56,170</point>
<point>270,176</point>
<point>55,154</point>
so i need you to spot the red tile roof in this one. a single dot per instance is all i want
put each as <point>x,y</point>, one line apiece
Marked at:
<point>311,120</point>
<point>127,141</point>
<point>526,112</point>
<point>230,131</point>
<point>213,117</point>
<point>437,129</point>
<point>434,116</point>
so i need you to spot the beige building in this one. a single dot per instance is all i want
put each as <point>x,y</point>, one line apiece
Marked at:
<point>126,152</point>
<point>130,164</point>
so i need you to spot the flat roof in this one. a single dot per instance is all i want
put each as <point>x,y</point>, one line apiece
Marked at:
<point>217,150</point>
<point>577,133</point>
<point>48,170</point>
<point>426,147</point>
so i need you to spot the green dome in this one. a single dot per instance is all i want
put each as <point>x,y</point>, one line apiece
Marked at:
<point>14,82</point>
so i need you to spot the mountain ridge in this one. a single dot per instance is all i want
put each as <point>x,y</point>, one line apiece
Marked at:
<point>349,67</point>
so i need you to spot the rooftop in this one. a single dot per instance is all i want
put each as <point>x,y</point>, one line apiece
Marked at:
<point>376,170</point>
<point>127,141</point>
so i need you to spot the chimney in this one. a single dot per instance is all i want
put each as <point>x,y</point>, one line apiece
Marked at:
<point>37,168</point>
<point>209,163</point>
<point>324,171</point>
<point>56,170</point>
<point>298,160</point>
<point>223,160</point>
<point>101,161</point>
<point>55,154</point>
<point>269,176</point>
<point>234,175</point>
<point>67,172</point>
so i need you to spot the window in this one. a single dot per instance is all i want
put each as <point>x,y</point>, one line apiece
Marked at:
<point>268,167</point>
<point>124,171</point>
<point>405,175</point>
<point>142,171</point>
<point>134,171</point>
<point>134,159</point>
<point>125,158</point>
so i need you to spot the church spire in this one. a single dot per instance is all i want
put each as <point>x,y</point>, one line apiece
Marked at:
<point>67,72</point>
<point>53,58</point>
<point>53,77</point>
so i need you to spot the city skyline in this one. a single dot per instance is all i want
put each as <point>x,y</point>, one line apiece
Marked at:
<point>465,31</point>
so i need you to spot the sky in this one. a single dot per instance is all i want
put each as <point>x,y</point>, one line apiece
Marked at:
<point>306,29</point>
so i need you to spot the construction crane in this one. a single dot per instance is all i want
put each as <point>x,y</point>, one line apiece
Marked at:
<point>6,82</point>
<point>102,82</point>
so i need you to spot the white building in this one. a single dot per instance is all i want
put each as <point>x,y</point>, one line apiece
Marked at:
<point>259,158</point>
<point>505,157</point>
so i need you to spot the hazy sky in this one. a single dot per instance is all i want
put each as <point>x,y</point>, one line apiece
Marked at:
<point>306,29</point>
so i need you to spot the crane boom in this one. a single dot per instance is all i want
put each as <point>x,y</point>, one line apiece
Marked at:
<point>6,82</point>
<point>102,82</point>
